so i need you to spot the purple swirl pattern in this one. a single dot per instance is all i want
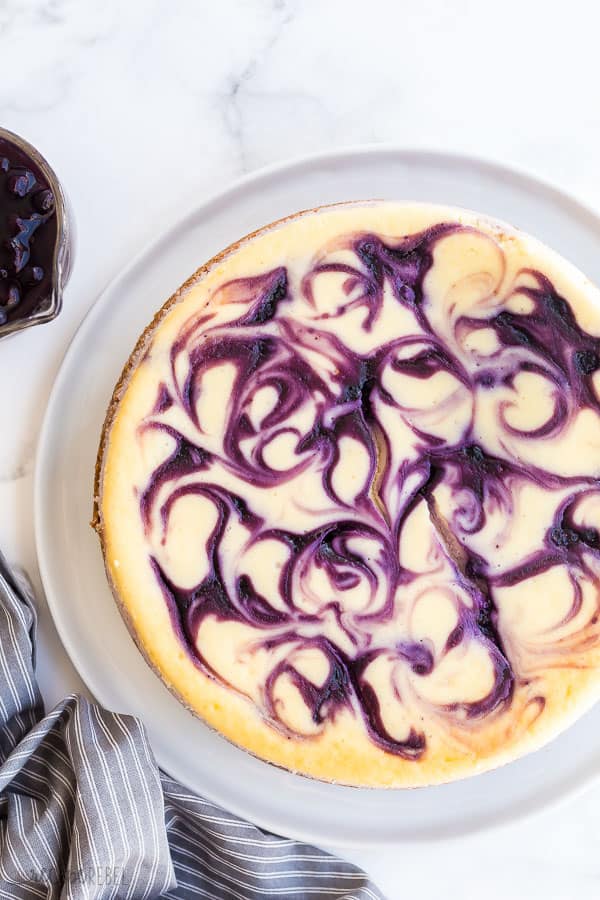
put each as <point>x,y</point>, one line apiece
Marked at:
<point>349,591</point>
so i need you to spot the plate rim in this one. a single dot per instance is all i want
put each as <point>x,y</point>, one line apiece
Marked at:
<point>427,155</point>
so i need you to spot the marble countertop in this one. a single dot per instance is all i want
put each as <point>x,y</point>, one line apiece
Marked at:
<point>142,107</point>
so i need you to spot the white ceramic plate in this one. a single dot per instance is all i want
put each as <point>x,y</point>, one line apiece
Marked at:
<point>70,559</point>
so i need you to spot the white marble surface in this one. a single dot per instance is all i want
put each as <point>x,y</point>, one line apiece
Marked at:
<point>144,107</point>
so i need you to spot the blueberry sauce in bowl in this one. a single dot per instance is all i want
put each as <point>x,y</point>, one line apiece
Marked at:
<point>35,237</point>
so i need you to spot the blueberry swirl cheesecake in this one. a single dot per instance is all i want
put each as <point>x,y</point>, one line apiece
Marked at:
<point>348,494</point>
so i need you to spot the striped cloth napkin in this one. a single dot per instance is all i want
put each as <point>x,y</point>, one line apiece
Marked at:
<point>86,813</point>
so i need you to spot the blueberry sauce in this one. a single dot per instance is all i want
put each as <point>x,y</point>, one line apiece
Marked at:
<point>28,234</point>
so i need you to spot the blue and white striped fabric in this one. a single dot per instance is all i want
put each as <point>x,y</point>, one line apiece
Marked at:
<point>86,813</point>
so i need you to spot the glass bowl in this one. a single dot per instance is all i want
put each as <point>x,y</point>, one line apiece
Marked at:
<point>49,307</point>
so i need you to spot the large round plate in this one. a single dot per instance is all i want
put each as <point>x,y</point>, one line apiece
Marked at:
<point>70,559</point>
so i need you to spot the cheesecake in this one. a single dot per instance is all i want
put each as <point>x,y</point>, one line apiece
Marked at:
<point>348,493</point>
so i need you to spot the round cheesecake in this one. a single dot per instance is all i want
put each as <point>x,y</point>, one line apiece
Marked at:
<point>348,493</point>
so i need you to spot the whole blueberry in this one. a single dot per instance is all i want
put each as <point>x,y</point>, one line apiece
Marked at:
<point>43,201</point>
<point>21,182</point>
<point>14,296</point>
